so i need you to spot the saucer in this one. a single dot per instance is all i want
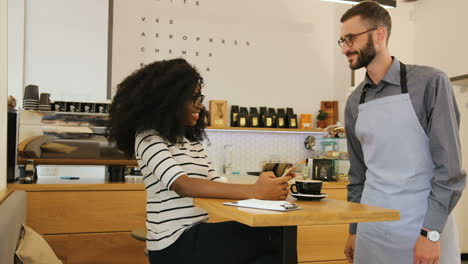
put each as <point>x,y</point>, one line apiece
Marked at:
<point>309,197</point>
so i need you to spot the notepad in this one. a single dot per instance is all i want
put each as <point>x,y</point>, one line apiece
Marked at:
<point>265,204</point>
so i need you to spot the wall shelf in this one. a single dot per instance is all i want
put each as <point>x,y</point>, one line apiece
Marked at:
<point>46,161</point>
<point>55,113</point>
<point>265,129</point>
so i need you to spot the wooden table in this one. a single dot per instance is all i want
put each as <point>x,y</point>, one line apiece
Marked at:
<point>322,212</point>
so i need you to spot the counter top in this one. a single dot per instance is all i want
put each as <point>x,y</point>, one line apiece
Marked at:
<point>57,161</point>
<point>98,183</point>
<point>246,179</point>
<point>86,183</point>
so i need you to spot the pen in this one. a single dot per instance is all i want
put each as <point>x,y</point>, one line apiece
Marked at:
<point>69,178</point>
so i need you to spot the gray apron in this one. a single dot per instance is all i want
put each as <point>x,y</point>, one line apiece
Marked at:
<point>399,172</point>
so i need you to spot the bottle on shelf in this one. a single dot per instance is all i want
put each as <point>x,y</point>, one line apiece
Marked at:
<point>206,117</point>
<point>254,118</point>
<point>291,118</point>
<point>263,111</point>
<point>305,170</point>
<point>280,118</point>
<point>243,117</point>
<point>227,159</point>
<point>234,115</point>
<point>272,114</point>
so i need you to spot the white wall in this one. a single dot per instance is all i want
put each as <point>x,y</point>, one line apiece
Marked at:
<point>290,61</point>
<point>461,210</point>
<point>16,9</point>
<point>430,33</point>
<point>3,91</point>
<point>294,37</point>
<point>440,42</point>
<point>440,35</point>
<point>292,52</point>
<point>342,73</point>
<point>60,45</point>
<point>66,48</point>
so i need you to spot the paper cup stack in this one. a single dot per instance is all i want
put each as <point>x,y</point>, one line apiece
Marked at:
<point>31,97</point>
<point>44,102</point>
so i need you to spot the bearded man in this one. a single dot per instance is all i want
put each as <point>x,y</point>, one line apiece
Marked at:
<point>402,126</point>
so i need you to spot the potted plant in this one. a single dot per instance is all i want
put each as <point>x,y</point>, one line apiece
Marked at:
<point>321,119</point>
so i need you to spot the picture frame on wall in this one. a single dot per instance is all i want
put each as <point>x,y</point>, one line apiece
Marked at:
<point>331,108</point>
<point>218,113</point>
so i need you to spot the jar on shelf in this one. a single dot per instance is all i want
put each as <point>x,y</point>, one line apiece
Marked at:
<point>331,162</point>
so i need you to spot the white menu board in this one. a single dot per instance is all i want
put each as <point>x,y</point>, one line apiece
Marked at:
<point>251,53</point>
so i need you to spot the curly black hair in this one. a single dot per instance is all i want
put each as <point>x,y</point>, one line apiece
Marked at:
<point>153,98</point>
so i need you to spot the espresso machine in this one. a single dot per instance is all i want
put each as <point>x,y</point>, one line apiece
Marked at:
<point>12,145</point>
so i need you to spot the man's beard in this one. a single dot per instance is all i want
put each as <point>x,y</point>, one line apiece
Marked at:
<point>365,56</point>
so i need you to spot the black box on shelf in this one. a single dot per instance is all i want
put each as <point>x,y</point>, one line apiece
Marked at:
<point>322,169</point>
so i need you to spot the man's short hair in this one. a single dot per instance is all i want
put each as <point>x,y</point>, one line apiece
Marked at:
<point>372,13</point>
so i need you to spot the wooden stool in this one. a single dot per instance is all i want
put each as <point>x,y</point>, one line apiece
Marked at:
<point>140,234</point>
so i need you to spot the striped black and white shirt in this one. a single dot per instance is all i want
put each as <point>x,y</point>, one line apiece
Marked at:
<point>168,214</point>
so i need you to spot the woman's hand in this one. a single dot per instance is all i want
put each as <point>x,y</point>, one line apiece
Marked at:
<point>267,187</point>
<point>270,187</point>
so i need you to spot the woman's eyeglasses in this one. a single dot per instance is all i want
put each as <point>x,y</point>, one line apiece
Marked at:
<point>198,99</point>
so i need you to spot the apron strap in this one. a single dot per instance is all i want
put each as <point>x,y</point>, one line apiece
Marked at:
<point>403,84</point>
<point>363,95</point>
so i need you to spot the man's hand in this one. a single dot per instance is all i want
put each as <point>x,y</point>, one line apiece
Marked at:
<point>349,248</point>
<point>426,251</point>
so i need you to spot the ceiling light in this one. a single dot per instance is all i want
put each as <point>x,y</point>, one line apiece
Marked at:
<point>383,3</point>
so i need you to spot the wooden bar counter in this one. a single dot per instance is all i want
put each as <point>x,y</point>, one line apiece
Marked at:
<point>90,220</point>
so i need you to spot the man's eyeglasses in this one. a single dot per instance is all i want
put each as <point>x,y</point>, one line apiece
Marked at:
<point>348,40</point>
<point>198,99</point>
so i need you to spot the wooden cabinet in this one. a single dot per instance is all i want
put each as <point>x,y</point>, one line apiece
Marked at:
<point>327,262</point>
<point>107,247</point>
<point>63,212</point>
<point>324,244</point>
<point>89,224</point>
<point>321,242</point>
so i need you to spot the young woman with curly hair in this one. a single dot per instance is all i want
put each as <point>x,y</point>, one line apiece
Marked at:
<point>157,117</point>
